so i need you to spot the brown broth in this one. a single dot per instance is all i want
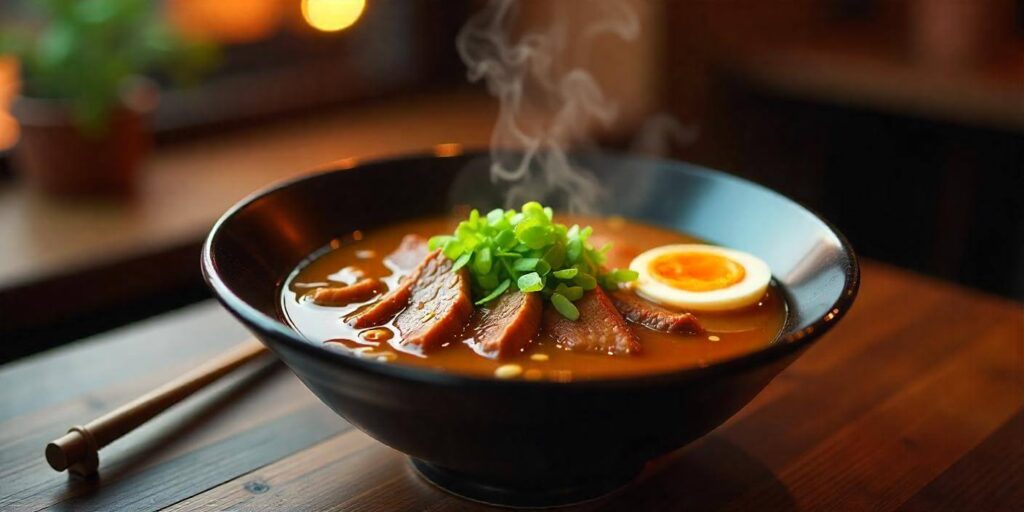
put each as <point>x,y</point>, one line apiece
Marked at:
<point>728,334</point>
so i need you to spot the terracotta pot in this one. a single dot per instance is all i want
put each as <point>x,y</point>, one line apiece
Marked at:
<point>56,157</point>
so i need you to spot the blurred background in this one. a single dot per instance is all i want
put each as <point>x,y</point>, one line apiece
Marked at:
<point>128,126</point>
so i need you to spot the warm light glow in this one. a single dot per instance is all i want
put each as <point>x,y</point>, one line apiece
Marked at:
<point>448,149</point>
<point>346,163</point>
<point>226,21</point>
<point>8,90</point>
<point>332,15</point>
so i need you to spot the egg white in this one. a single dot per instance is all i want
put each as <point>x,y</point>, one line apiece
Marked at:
<point>747,291</point>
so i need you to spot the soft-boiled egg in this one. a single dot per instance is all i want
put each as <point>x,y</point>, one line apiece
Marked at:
<point>700,277</point>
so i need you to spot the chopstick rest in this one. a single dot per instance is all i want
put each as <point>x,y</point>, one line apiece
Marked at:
<point>78,450</point>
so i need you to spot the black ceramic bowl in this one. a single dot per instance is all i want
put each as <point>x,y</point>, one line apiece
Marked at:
<point>519,442</point>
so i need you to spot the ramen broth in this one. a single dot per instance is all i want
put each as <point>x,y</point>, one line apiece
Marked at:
<point>727,334</point>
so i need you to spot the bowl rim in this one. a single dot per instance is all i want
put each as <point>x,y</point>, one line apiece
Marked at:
<point>781,346</point>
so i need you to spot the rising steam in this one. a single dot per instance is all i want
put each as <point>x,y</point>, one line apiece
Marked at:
<point>547,105</point>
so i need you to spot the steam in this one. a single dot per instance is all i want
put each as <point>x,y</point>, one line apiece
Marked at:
<point>547,105</point>
<point>661,134</point>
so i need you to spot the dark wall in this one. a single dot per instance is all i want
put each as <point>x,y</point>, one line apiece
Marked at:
<point>939,198</point>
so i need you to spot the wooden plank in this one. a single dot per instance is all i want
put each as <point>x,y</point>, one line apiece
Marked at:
<point>990,477</point>
<point>41,381</point>
<point>864,362</point>
<point>247,420</point>
<point>349,472</point>
<point>881,458</point>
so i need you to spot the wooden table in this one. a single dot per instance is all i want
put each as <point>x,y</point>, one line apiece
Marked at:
<point>914,403</point>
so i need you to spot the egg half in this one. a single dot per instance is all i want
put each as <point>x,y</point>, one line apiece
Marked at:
<point>700,277</point>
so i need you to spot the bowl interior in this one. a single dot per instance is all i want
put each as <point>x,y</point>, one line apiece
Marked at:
<point>254,247</point>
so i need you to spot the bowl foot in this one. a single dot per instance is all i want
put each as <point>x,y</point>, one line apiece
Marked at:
<point>471,488</point>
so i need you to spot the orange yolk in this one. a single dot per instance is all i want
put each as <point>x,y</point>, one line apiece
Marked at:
<point>696,272</point>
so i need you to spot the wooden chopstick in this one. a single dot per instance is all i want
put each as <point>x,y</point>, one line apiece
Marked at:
<point>78,450</point>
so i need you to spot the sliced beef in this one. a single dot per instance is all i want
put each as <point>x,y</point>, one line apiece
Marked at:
<point>360,291</point>
<point>386,307</point>
<point>599,329</point>
<point>653,316</point>
<point>440,304</point>
<point>503,327</point>
<point>409,254</point>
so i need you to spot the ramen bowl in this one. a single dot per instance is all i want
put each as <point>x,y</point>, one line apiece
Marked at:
<point>524,443</point>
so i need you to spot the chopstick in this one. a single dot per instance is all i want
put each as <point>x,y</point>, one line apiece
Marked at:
<point>78,450</point>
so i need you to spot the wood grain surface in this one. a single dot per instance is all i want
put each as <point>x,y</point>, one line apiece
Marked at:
<point>913,403</point>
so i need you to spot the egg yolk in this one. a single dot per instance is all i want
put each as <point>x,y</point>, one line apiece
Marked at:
<point>696,271</point>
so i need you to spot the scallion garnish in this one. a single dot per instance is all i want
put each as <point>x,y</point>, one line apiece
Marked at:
<point>528,251</point>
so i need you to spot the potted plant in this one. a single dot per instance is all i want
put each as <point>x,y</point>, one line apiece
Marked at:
<point>84,103</point>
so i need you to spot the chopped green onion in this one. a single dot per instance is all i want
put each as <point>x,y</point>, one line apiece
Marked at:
<point>564,306</point>
<point>487,281</point>
<point>439,241</point>
<point>495,216</point>
<point>461,261</point>
<point>585,280</point>
<point>482,261</point>
<point>531,282</point>
<point>453,249</point>
<point>505,239</point>
<point>574,250</point>
<point>573,293</point>
<point>525,264</point>
<point>543,268</point>
<point>534,237</point>
<point>495,292</point>
<point>566,273</point>
<point>615,277</point>
<point>555,256</point>
<point>509,249</point>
